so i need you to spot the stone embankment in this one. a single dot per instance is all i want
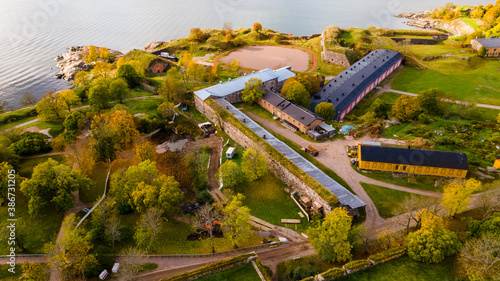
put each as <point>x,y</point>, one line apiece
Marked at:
<point>72,62</point>
<point>455,27</point>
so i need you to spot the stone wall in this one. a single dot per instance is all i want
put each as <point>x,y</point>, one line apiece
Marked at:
<point>335,58</point>
<point>415,41</point>
<point>277,168</point>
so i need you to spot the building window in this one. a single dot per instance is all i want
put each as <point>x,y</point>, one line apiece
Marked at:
<point>435,170</point>
<point>382,166</point>
<point>427,169</point>
<point>404,168</point>
<point>397,167</point>
<point>450,173</point>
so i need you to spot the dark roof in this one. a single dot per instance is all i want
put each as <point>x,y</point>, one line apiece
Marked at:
<point>417,157</point>
<point>342,90</point>
<point>297,112</point>
<point>489,42</point>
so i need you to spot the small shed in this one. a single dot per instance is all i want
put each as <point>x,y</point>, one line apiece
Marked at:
<point>346,129</point>
<point>497,163</point>
<point>230,153</point>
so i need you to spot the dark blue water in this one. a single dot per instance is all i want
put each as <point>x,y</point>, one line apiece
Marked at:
<point>33,32</point>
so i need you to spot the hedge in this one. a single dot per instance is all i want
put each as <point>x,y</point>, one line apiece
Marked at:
<point>388,255</point>
<point>274,153</point>
<point>17,115</point>
<point>310,278</point>
<point>266,271</point>
<point>356,264</point>
<point>333,273</point>
<point>210,267</point>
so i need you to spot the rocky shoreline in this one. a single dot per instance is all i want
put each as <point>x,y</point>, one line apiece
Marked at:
<point>72,62</point>
<point>423,20</point>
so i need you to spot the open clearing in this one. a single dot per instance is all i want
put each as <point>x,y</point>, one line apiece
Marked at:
<point>260,57</point>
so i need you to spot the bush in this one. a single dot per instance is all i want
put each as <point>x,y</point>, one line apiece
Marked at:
<point>356,264</point>
<point>31,143</point>
<point>205,196</point>
<point>388,255</point>
<point>333,273</point>
<point>147,125</point>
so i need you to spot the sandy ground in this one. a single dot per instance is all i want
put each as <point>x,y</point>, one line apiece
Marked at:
<point>260,57</point>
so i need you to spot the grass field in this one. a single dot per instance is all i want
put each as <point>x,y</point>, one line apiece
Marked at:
<point>147,106</point>
<point>9,276</point>
<point>55,127</point>
<point>405,269</point>
<point>268,200</point>
<point>477,80</point>
<point>385,199</point>
<point>26,165</point>
<point>98,176</point>
<point>244,272</point>
<point>423,182</point>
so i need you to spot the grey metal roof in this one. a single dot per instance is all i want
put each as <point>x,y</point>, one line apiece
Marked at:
<point>416,157</point>
<point>297,112</point>
<point>238,84</point>
<point>342,90</point>
<point>345,197</point>
<point>489,42</point>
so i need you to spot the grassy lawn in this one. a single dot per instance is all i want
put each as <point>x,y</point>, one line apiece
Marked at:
<point>422,182</point>
<point>17,122</point>
<point>172,238</point>
<point>98,176</point>
<point>471,22</point>
<point>147,106</point>
<point>268,200</point>
<point>405,269</point>
<point>9,276</point>
<point>56,127</point>
<point>139,92</point>
<point>244,272</point>
<point>26,165</point>
<point>477,80</point>
<point>385,199</point>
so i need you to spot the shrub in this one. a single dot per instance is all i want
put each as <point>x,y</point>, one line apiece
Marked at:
<point>31,143</point>
<point>388,255</point>
<point>356,264</point>
<point>333,273</point>
<point>205,196</point>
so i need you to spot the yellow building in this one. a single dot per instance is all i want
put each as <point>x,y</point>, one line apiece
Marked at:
<point>497,163</point>
<point>413,161</point>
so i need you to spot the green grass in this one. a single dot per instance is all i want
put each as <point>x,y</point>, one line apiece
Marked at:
<point>26,165</point>
<point>244,272</point>
<point>471,22</point>
<point>55,127</point>
<point>423,182</point>
<point>147,106</point>
<point>405,269</point>
<point>17,122</point>
<point>139,92</point>
<point>148,267</point>
<point>9,276</point>
<point>479,82</point>
<point>268,200</point>
<point>385,199</point>
<point>98,176</point>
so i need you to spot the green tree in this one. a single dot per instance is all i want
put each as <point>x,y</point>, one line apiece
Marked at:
<point>230,173</point>
<point>8,155</point>
<point>118,89</point>
<point>7,173</point>
<point>330,238</point>
<point>75,255</point>
<point>235,65</point>
<point>430,246</point>
<point>171,88</point>
<point>35,271</point>
<point>406,108</point>
<point>99,93</point>
<point>253,164</point>
<point>257,27</point>
<point>456,195</point>
<point>68,98</point>
<point>252,92</point>
<point>237,220</point>
<point>52,184</point>
<point>73,120</point>
<point>483,51</point>
<point>49,108</point>
<point>298,94</point>
<point>31,143</point>
<point>325,110</point>
<point>431,101</point>
<point>127,72</point>
<point>145,151</point>
<point>163,193</point>
<point>237,41</point>
<point>166,109</point>
<point>148,227</point>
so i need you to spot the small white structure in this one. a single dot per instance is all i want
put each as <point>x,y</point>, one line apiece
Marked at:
<point>103,275</point>
<point>115,268</point>
<point>283,240</point>
<point>230,153</point>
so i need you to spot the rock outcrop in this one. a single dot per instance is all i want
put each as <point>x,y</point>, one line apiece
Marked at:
<point>72,62</point>
<point>154,45</point>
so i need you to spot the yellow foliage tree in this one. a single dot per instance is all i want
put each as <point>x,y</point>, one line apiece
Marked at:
<point>456,195</point>
<point>92,56</point>
<point>68,98</point>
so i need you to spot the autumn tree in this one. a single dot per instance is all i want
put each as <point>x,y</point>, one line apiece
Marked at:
<point>406,108</point>
<point>205,215</point>
<point>145,151</point>
<point>127,72</point>
<point>68,98</point>
<point>74,255</point>
<point>257,27</point>
<point>297,93</point>
<point>230,173</point>
<point>173,164</point>
<point>52,184</point>
<point>100,217</point>
<point>92,55</point>
<point>236,220</point>
<point>409,208</point>
<point>196,35</point>
<point>112,231</point>
<point>479,259</point>
<point>102,70</point>
<point>171,88</point>
<point>253,164</point>
<point>325,110</point>
<point>166,110</point>
<point>330,237</point>
<point>237,41</point>
<point>49,108</point>
<point>432,243</point>
<point>431,101</point>
<point>35,271</point>
<point>104,53</point>
<point>456,195</point>
<point>131,263</point>
<point>148,227</point>
<point>118,90</point>
<point>253,91</point>
<point>28,99</point>
<point>185,59</point>
<point>235,65</point>
<point>228,37</point>
<point>84,156</point>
